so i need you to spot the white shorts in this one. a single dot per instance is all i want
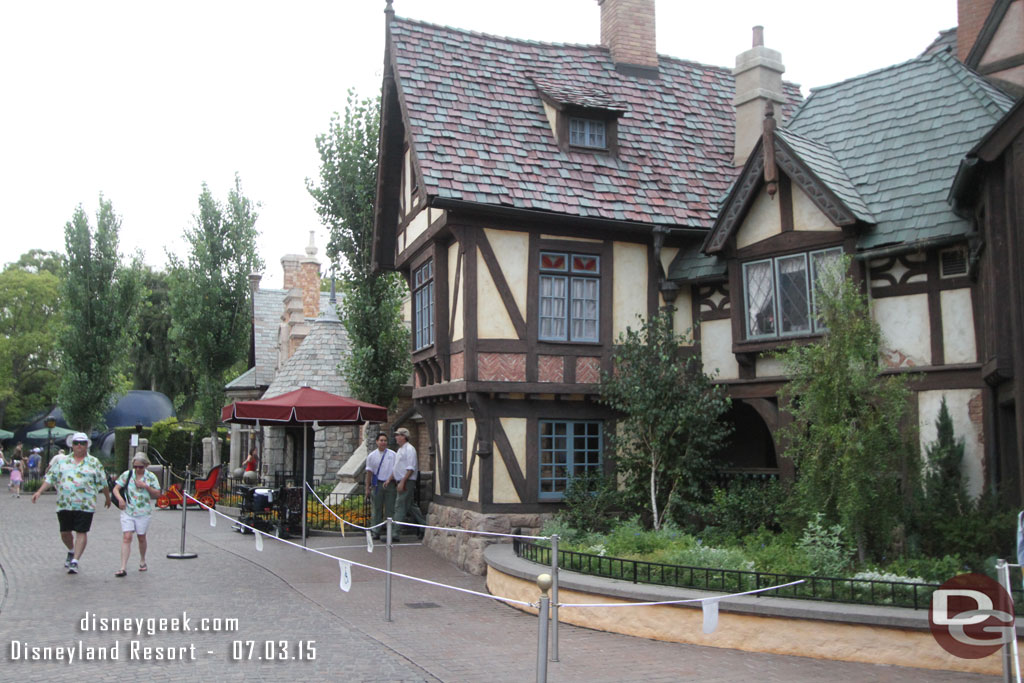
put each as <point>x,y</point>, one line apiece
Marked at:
<point>137,524</point>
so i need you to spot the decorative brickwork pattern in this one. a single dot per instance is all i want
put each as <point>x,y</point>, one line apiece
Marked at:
<point>588,370</point>
<point>458,363</point>
<point>501,367</point>
<point>550,368</point>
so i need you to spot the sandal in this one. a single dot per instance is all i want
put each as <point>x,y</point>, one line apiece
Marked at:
<point>120,573</point>
<point>143,567</point>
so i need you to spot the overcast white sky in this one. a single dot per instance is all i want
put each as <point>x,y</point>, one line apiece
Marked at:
<point>145,101</point>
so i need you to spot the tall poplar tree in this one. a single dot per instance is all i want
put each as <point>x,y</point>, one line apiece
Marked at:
<point>99,317</point>
<point>371,306</point>
<point>209,295</point>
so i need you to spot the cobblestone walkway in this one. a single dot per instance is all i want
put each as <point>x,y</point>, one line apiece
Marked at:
<point>292,622</point>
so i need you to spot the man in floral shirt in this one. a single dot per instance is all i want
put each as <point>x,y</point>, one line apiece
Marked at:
<point>77,479</point>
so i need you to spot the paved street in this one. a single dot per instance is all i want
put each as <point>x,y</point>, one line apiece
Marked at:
<point>288,603</point>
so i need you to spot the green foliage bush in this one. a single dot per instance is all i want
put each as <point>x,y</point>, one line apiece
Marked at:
<point>743,506</point>
<point>180,444</point>
<point>825,548</point>
<point>590,502</point>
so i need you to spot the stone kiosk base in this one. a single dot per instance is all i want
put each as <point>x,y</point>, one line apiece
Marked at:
<point>853,633</point>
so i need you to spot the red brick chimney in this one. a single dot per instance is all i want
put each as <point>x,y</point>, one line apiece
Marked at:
<point>309,281</point>
<point>970,18</point>
<point>627,29</point>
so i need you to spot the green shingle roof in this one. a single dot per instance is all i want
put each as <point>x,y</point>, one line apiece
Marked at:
<point>888,144</point>
<point>899,134</point>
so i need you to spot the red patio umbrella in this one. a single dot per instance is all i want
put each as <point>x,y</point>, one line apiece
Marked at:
<point>304,406</point>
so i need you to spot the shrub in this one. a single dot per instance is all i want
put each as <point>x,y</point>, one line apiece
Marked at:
<point>743,506</point>
<point>777,553</point>
<point>825,549</point>
<point>630,540</point>
<point>590,502</point>
<point>31,485</point>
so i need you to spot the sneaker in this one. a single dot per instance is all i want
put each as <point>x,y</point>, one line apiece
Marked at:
<point>73,567</point>
<point>67,560</point>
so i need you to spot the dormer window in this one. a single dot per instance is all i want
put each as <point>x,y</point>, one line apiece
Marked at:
<point>587,133</point>
<point>582,118</point>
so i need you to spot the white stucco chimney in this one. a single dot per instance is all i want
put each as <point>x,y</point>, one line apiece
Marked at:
<point>758,75</point>
<point>627,29</point>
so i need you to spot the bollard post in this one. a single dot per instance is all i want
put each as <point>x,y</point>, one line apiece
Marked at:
<point>544,583</point>
<point>554,598</point>
<point>387,577</point>
<point>1011,662</point>
<point>184,507</point>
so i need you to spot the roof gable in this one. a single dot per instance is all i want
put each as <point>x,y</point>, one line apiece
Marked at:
<point>475,120</point>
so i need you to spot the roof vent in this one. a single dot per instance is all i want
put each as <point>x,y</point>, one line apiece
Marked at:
<point>953,262</point>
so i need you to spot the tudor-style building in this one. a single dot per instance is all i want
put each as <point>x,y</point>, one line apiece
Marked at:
<point>533,195</point>
<point>540,197</point>
<point>864,168</point>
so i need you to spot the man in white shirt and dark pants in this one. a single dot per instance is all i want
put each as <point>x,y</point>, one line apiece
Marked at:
<point>407,472</point>
<point>380,483</point>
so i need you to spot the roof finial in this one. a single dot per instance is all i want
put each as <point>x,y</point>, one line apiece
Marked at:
<point>771,173</point>
<point>758,36</point>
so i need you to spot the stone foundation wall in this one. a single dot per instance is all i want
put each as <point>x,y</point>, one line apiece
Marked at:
<point>466,551</point>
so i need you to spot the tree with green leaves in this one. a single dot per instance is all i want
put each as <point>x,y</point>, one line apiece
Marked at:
<point>208,295</point>
<point>672,426</point>
<point>29,378</point>
<point>99,306</point>
<point>371,304</point>
<point>38,261</point>
<point>156,367</point>
<point>856,459</point>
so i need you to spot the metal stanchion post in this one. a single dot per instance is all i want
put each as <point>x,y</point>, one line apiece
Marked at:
<point>1011,661</point>
<point>554,598</point>
<point>387,577</point>
<point>184,508</point>
<point>544,583</point>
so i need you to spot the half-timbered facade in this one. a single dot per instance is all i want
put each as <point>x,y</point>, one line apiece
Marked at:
<point>533,195</point>
<point>864,168</point>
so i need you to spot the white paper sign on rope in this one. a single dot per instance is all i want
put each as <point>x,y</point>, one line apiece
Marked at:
<point>346,575</point>
<point>259,541</point>
<point>213,518</point>
<point>710,607</point>
<point>369,541</point>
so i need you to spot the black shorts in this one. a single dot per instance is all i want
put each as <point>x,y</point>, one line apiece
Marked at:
<point>74,520</point>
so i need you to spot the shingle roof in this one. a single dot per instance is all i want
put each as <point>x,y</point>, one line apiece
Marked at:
<point>480,134</point>
<point>823,163</point>
<point>315,362</point>
<point>899,134</point>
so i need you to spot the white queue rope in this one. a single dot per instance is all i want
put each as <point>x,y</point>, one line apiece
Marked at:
<point>486,595</point>
<point>425,526</point>
<point>365,566</point>
<point>677,602</point>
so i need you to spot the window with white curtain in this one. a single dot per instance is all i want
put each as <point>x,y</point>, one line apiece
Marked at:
<point>569,297</point>
<point>779,294</point>
<point>587,133</point>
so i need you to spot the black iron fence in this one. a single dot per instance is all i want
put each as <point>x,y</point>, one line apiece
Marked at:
<point>354,508</point>
<point>855,591</point>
